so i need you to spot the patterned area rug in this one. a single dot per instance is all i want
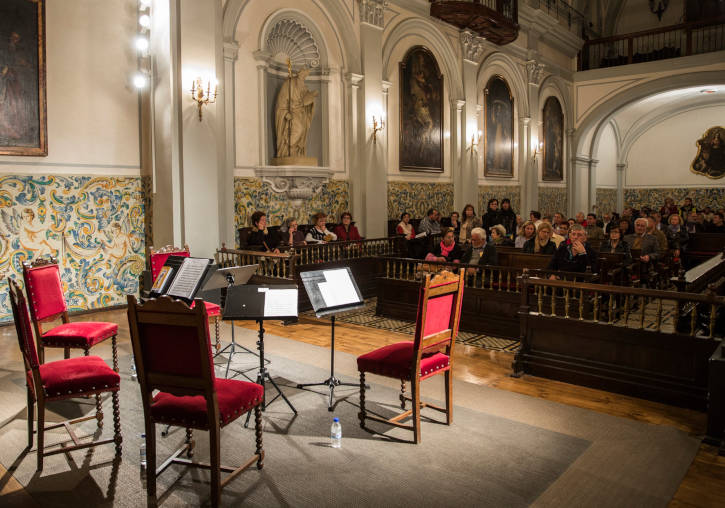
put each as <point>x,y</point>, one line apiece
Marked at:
<point>366,317</point>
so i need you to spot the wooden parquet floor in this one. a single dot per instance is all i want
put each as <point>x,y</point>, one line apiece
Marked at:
<point>704,484</point>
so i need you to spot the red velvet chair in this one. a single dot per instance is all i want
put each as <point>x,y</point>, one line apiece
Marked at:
<point>173,355</point>
<point>431,353</point>
<point>62,379</point>
<point>47,304</point>
<point>158,257</point>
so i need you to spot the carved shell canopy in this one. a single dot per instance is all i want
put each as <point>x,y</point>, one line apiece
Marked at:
<point>290,39</point>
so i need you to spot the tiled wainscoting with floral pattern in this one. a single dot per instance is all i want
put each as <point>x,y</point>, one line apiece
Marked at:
<point>606,201</point>
<point>417,197</point>
<point>552,200</point>
<point>655,197</point>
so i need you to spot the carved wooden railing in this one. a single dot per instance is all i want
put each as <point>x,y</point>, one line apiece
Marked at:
<point>339,251</point>
<point>674,41</point>
<point>692,314</point>
<point>280,265</point>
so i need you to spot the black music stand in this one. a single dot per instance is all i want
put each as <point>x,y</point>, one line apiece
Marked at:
<point>247,303</point>
<point>331,291</point>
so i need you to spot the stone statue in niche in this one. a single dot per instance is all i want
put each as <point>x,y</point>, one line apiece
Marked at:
<point>710,158</point>
<point>293,115</point>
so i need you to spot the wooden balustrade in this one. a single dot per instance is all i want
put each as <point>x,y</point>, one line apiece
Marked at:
<point>338,251</point>
<point>274,265</point>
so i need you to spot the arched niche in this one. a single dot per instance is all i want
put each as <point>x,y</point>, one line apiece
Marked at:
<point>552,86</point>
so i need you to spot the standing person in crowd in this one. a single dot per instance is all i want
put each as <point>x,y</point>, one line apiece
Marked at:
<point>615,245</point>
<point>261,238</point>
<point>668,208</point>
<point>642,241</point>
<point>289,234</point>
<point>404,227</point>
<point>347,231</point>
<point>676,235</point>
<point>430,224</point>
<point>528,231</point>
<point>535,217</point>
<point>686,209</point>
<point>455,223</point>
<point>507,217</point>
<point>479,252</point>
<point>574,255</point>
<point>541,243</point>
<point>716,225</point>
<point>319,233</point>
<point>659,235</point>
<point>595,234</point>
<point>446,250</point>
<point>468,223</point>
<point>498,236</point>
<point>491,217</point>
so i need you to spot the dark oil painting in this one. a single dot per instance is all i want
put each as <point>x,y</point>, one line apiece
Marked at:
<point>553,140</point>
<point>710,158</point>
<point>499,127</point>
<point>421,112</point>
<point>23,128</point>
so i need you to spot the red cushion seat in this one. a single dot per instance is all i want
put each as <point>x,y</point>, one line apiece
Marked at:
<point>395,361</point>
<point>234,398</point>
<point>212,309</point>
<point>77,375</point>
<point>83,334</point>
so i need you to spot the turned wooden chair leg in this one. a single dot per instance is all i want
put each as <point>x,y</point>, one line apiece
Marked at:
<point>190,442</point>
<point>258,436</point>
<point>449,396</point>
<point>66,353</point>
<point>31,417</point>
<point>218,343</point>
<point>114,350</point>
<point>41,433</point>
<point>151,463</point>
<point>99,411</point>
<point>415,395</point>
<point>402,394</point>
<point>361,414</point>
<point>117,437</point>
<point>215,463</point>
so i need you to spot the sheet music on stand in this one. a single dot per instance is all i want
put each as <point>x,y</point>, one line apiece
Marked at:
<point>332,290</point>
<point>261,302</point>
<point>181,277</point>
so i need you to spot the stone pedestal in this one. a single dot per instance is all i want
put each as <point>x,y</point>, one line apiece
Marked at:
<point>294,161</point>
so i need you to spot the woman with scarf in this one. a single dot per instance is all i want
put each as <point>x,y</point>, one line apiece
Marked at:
<point>491,217</point>
<point>507,216</point>
<point>469,221</point>
<point>676,234</point>
<point>542,243</point>
<point>446,250</point>
<point>260,238</point>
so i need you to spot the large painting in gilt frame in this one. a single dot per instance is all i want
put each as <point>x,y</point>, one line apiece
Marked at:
<point>710,158</point>
<point>553,169</point>
<point>421,112</point>
<point>23,127</point>
<point>499,126</point>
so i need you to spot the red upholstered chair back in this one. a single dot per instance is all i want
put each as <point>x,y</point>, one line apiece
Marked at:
<point>45,291</point>
<point>171,346</point>
<point>159,257</point>
<point>24,332</point>
<point>439,312</point>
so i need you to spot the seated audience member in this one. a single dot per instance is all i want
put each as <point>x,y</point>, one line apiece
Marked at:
<point>707,214</point>
<point>613,223</point>
<point>447,249</point>
<point>580,219</point>
<point>498,236</point>
<point>691,224</point>
<point>615,245</point>
<point>347,231</point>
<point>430,225</point>
<point>468,223</point>
<point>404,227</point>
<point>716,224</point>
<point>687,208</point>
<point>575,254</point>
<point>546,218</point>
<point>535,217</point>
<point>456,223</point>
<point>642,241</point>
<point>507,216</point>
<point>594,232</point>
<point>563,231</point>
<point>558,219</point>
<point>541,244</point>
<point>556,237</point>
<point>676,234</point>
<point>491,217</point>
<point>320,233</point>
<point>658,220</point>
<point>625,227</point>
<point>571,222</point>
<point>668,208</point>
<point>260,238</point>
<point>479,252</point>
<point>519,225</point>
<point>528,231</point>
<point>659,235</point>
<point>289,234</point>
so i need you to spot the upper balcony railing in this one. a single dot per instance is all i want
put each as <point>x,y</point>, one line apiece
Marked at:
<point>674,41</point>
<point>567,15</point>
<point>496,20</point>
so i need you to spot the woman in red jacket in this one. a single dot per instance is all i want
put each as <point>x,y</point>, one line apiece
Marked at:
<point>347,231</point>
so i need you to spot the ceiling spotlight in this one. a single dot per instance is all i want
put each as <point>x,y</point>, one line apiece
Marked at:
<point>145,21</point>
<point>142,44</point>
<point>139,80</point>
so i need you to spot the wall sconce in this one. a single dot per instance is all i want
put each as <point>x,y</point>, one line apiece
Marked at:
<point>200,96</point>
<point>474,143</point>
<point>377,127</point>
<point>538,149</point>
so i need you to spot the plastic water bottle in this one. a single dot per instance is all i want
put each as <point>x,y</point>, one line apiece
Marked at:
<point>336,433</point>
<point>142,451</point>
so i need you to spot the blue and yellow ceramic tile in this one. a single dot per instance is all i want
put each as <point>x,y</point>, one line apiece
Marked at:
<point>552,200</point>
<point>417,198</point>
<point>655,197</point>
<point>500,192</point>
<point>94,225</point>
<point>606,201</point>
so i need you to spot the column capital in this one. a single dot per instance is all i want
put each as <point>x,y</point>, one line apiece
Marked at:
<point>525,119</point>
<point>570,132</point>
<point>458,104</point>
<point>372,12</point>
<point>231,51</point>
<point>386,87</point>
<point>534,71</point>
<point>353,79</point>
<point>472,46</point>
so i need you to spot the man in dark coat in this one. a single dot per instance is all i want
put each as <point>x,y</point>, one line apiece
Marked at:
<point>574,254</point>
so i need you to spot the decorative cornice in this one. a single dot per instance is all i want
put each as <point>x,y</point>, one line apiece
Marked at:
<point>534,71</point>
<point>372,12</point>
<point>472,46</point>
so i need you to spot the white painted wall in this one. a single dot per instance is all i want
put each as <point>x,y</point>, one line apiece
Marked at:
<point>661,157</point>
<point>93,125</point>
<point>607,157</point>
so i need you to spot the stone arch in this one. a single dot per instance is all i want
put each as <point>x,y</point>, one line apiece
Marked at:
<point>305,24</point>
<point>553,86</point>
<point>498,63</point>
